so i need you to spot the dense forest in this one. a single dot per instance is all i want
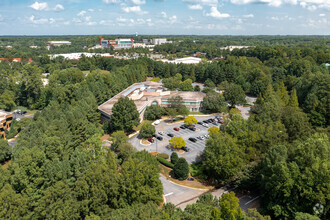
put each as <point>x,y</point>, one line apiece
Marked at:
<point>59,168</point>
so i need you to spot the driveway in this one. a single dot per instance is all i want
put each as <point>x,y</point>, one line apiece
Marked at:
<point>179,195</point>
<point>196,149</point>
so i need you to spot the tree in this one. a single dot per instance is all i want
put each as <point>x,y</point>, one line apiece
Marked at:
<point>190,120</point>
<point>234,94</point>
<point>118,138</point>
<point>124,115</point>
<point>186,85</point>
<point>183,110</point>
<point>147,130</point>
<point>305,216</point>
<point>181,169</point>
<point>197,88</point>
<point>214,102</point>
<point>177,142</point>
<point>229,206</point>
<point>213,131</point>
<point>175,102</point>
<point>293,101</point>
<point>5,150</point>
<point>172,113</point>
<point>154,112</point>
<point>174,157</point>
<point>7,100</point>
<point>222,158</point>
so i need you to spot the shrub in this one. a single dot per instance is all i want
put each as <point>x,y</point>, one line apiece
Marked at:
<point>163,155</point>
<point>174,157</point>
<point>165,162</point>
<point>181,169</point>
<point>147,130</point>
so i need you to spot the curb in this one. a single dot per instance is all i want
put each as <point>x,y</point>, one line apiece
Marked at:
<point>183,185</point>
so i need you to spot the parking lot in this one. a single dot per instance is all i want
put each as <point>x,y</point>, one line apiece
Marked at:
<point>195,148</point>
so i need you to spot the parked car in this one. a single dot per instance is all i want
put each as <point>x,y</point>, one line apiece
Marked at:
<point>207,136</point>
<point>206,121</point>
<point>170,135</point>
<point>199,137</point>
<point>190,179</point>
<point>220,121</point>
<point>159,137</point>
<point>183,127</point>
<point>151,140</point>
<point>161,132</point>
<point>157,122</point>
<point>192,128</point>
<point>215,123</point>
<point>185,149</point>
<point>202,137</point>
<point>205,125</point>
<point>192,139</point>
<point>176,129</point>
<point>200,123</point>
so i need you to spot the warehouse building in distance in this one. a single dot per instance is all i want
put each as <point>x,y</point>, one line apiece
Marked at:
<point>58,43</point>
<point>149,93</point>
<point>118,43</point>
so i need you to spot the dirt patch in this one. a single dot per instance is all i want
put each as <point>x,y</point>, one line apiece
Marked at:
<point>105,137</point>
<point>6,164</point>
<point>145,142</point>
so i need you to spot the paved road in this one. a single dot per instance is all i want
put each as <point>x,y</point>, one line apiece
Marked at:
<point>196,149</point>
<point>179,195</point>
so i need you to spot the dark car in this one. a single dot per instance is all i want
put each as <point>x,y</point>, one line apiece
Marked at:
<point>206,121</point>
<point>191,179</point>
<point>170,135</point>
<point>199,122</point>
<point>183,127</point>
<point>185,149</point>
<point>220,121</point>
<point>192,128</point>
<point>159,137</point>
<point>192,139</point>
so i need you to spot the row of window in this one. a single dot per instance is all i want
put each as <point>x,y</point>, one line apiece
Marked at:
<point>184,103</point>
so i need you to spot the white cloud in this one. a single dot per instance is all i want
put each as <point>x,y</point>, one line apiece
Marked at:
<point>1,19</point>
<point>138,2</point>
<point>120,19</point>
<point>66,23</point>
<point>91,10</point>
<point>58,7</point>
<point>275,18</point>
<point>311,5</point>
<point>164,15</point>
<point>321,15</point>
<point>202,2</point>
<point>88,18</point>
<point>43,6</point>
<point>172,19</point>
<point>82,13</point>
<point>38,21</point>
<point>134,9</point>
<point>111,1</point>
<point>195,7</point>
<point>216,14</point>
<point>248,16</point>
<point>39,6</point>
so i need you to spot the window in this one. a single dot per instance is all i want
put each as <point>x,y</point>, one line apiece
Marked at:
<point>154,103</point>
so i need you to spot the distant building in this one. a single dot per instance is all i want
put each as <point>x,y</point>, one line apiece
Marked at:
<point>159,41</point>
<point>58,43</point>
<point>230,48</point>
<point>186,60</point>
<point>16,60</point>
<point>118,43</point>
<point>149,93</point>
<point>146,41</point>
<point>143,45</point>
<point>5,122</point>
<point>77,56</point>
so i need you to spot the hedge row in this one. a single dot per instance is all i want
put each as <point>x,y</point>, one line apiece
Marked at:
<point>163,155</point>
<point>165,162</point>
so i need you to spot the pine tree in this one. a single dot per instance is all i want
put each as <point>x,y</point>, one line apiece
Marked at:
<point>174,157</point>
<point>181,169</point>
<point>282,92</point>
<point>293,101</point>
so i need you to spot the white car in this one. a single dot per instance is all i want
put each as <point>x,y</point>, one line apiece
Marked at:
<point>205,125</point>
<point>156,122</point>
<point>161,132</point>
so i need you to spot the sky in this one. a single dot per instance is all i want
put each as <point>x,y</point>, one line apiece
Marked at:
<point>165,17</point>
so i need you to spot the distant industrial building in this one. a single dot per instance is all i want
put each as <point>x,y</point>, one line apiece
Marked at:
<point>186,60</point>
<point>118,43</point>
<point>230,48</point>
<point>159,41</point>
<point>149,93</point>
<point>77,56</point>
<point>58,43</point>
<point>5,122</point>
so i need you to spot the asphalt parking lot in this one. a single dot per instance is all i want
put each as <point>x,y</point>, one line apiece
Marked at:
<point>195,149</point>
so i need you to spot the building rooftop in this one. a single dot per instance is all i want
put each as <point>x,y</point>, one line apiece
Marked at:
<point>187,96</point>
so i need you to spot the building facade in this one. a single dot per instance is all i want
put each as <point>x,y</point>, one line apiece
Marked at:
<point>118,43</point>
<point>159,41</point>
<point>5,122</point>
<point>149,93</point>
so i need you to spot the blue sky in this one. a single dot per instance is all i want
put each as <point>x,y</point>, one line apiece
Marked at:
<point>204,17</point>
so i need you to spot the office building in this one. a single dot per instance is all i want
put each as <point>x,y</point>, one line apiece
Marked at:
<point>159,41</point>
<point>149,93</point>
<point>5,122</point>
<point>58,43</point>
